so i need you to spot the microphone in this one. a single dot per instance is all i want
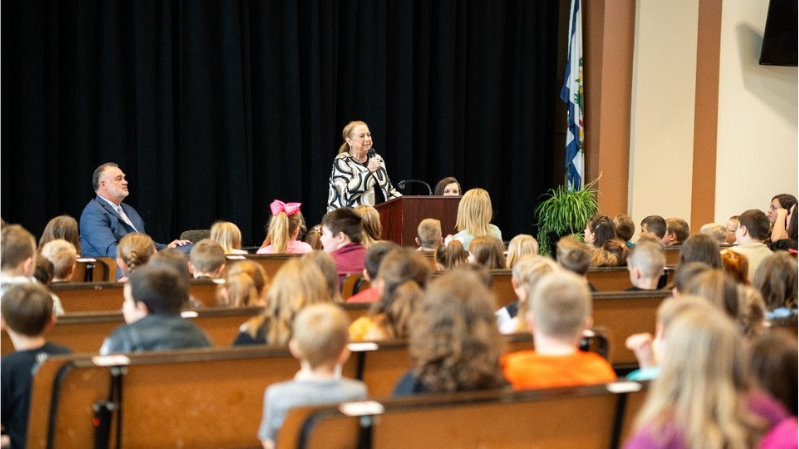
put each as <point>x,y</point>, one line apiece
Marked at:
<point>371,153</point>
<point>405,182</point>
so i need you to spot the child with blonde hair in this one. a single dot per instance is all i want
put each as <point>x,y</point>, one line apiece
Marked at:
<point>228,235</point>
<point>519,246</point>
<point>370,221</point>
<point>134,250</point>
<point>285,227</point>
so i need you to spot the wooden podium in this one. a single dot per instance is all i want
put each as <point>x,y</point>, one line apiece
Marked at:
<point>401,216</point>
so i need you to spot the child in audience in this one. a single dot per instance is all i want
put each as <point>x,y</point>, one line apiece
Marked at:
<point>207,260</point>
<point>296,285</point>
<point>774,365</point>
<point>736,265</point>
<point>575,256</point>
<point>454,343</point>
<point>451,255</point>
<point>718,288</point>
<point>560,311</point>
<point>647,347</point>
<point>448,187</point>
<point>732,226</point>
<point>703,397</point>
<point>134,250</point>
<point>776,278</point>
<point>228,235</point>
<point>178,260</point>
<point>283,232</point>
<point>314,238</point>
<point>701,248</point>
<point>613,253</point>
<point>474,217</point>
<point>526,274</point>
<point>401,278</point>
<point>342,232</point>
<point>752,312</point>
<point>716,231</point>
<point>27,313</point>
<point>519,246</point>
<point>245,285</point>
<point>488,252</point>
<point>645,264</point>
<point>62,255</point>
<point>684,274</point>
<point>319,342</point>
<point>750,235</point>
<point>44,271</point>
<point>428,235</point>
<point>327,265</point>
<point>625,228</point>
<point>653,225</point>
<point>61,227</point>
<point>677,230</point>
<point>154,297</point>
<point>370,220</point>
<point>18,261</point>
<point>599,230</point>
<point>374,256</point>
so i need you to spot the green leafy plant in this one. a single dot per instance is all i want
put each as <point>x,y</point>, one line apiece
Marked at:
<point>565,212</point>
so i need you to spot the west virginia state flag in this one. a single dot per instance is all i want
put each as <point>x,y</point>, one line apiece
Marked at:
<point>572,95</point>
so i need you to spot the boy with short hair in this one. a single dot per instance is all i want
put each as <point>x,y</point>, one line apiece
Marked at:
<point>677,230</point>
<point>645,264</point>
<point>560,310</point>
<point>341,238</point>
<point>428,235</point>
<point>653,225</point>
<point>27,313</point>
<point>154,297</point>
<point>575,256</point>
<point>207,260</point>
<point>751,232</point>
<point>625,228</point>
<point>18,261</point>
<point>374,255</point>
<point>63,255</point>
<point>319,341</point>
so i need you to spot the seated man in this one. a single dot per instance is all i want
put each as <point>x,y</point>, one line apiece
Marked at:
<point>105,220</point>
<point>63,256</point>
<point>207,260</point>
<point>560,311</point>
<point>27,313</point>
<point>653,225</point>
<point>341,238</point>
<point>751,232</point>
<point>645,264</point>
<point>428,235</point>
<point>677,230</point>
<point>154,296</point>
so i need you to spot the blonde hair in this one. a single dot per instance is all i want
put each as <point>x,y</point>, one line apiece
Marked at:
<point>528,272</point>
<point>320,333</point>
<point>227,234</point>
<point>347,132</point>
<point>370,221</point>
<point>281,230</point>
<point>62,254</point>
<point>703,386</point>
<point>327,266</point>
<point>475,212</point>
<point>245,282</point>
<point>429,233</point>
<point>561,303</point>
<point>520,245</point>
<point>135,250</point>
<point>297,284</point>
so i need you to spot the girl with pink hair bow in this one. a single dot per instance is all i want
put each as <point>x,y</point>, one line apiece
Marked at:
<point>285,227</point>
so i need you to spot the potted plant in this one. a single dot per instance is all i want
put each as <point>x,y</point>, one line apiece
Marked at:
<point>565,212</point>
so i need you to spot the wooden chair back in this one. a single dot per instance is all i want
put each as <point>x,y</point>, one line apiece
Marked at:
<point>95,269</point>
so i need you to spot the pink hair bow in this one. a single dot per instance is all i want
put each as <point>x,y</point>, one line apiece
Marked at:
<point>290,208</point>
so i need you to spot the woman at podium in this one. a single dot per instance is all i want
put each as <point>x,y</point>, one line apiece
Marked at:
<point>359,174</point>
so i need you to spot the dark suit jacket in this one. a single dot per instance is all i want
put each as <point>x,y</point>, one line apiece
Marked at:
<point>101,228</point>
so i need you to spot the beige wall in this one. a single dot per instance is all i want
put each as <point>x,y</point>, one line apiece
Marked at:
<point>663,101</point>
<point>757,116</point>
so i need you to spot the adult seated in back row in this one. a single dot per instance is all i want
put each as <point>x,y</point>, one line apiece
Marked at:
<point>105,220</point>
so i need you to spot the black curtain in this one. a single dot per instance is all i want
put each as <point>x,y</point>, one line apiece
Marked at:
<point>215,108</point>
